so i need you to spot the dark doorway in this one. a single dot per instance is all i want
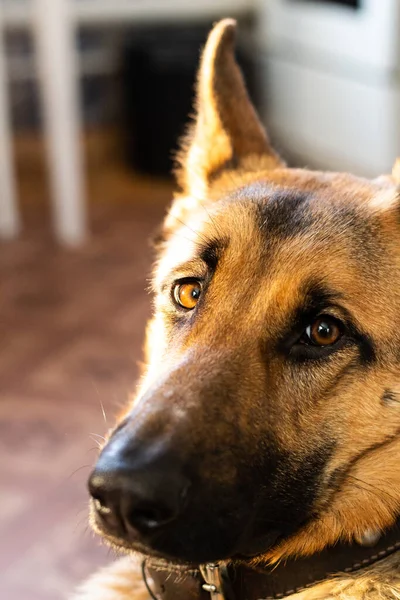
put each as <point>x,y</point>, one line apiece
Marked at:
<point>350,3</point>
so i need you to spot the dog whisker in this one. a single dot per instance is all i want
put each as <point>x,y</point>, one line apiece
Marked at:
<point>197,233</point>
<point>210,217</point>
<point>189,240</point>
<point>96,442</point>
<point>79,524</point>
<point>77,470</point>
<point>103,411</point>
<point>99,436</point>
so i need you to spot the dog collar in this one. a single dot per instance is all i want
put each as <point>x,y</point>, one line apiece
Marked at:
<point>221,581</point>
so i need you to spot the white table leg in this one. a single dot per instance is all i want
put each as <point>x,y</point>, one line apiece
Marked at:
<point>55,45</point>
<point>9,215</point>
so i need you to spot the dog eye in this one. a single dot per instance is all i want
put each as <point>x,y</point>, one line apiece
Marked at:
<point>187,294</point>
<point>324,331</point>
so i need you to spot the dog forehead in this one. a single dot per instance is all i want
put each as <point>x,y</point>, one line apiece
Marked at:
<point>319,231</point>
<point>338,206</point>
<point>279,212</point>
<point>322,213</point>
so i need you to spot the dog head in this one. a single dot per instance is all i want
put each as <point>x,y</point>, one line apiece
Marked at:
<point>267,422</point>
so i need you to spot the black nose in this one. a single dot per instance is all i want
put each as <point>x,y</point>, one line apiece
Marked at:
<point>133,493</point>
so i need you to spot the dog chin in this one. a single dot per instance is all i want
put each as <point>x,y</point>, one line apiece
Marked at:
<point>129,547</point>
<point>173,550</point>
<point>197,555</point>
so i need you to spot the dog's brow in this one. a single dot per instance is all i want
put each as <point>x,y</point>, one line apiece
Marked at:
<point>207,255</point>
<point>318,295</point>
<point>211,252</point>
<point>201,258</point>
<point>315,297</point>
<point>189,268</point>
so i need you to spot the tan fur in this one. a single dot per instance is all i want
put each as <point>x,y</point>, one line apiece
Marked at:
<point>121,580</point>
<point>226,154</point>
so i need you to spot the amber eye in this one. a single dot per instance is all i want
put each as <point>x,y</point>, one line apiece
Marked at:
<point>187,294</point>
<point>324,331</point>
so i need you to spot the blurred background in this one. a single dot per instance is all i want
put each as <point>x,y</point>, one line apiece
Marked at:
<point>94,95</point>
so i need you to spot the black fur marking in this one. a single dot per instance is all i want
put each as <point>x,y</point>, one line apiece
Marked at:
<point>366,346</point>
<point>285,214</point>
<point>282,212</point>
<point>289,488</point>
<point>211,253</point>
<point>299,479</point>
<point>389,397</point>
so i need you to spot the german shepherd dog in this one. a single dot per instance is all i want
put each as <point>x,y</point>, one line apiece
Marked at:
<point>265,432</point>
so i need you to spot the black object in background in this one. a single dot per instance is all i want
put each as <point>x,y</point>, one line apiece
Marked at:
<point>350,3</point>
<point>159,73</point>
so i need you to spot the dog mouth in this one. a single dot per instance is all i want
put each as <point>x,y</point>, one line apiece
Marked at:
<point>121,543</point>
<point>169,545</point>
<point>264,544</point>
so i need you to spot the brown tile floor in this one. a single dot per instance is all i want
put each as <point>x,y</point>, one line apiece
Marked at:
<point>71,327</point>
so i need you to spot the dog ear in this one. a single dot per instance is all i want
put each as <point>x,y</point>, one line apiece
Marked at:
<point>227,133</point>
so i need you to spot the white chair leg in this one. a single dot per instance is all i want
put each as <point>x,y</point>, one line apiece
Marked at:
<point>55,46</point>
<point>9,215</point>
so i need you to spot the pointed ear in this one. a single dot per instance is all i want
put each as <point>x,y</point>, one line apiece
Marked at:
<point>227,133</point>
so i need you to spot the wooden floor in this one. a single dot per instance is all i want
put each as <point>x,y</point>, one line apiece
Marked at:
<point>72,324</point>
